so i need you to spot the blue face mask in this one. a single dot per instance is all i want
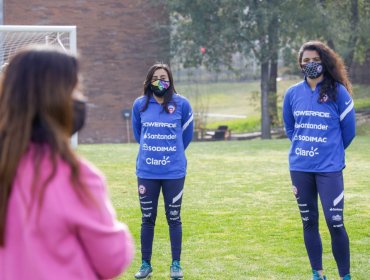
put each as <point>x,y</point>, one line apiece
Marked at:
<point>312,69</point>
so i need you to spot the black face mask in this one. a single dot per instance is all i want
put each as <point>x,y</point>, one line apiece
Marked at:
<point>79,115</point>
<point>159,87</point>
<point>313,69</point>
<point>40,131</point>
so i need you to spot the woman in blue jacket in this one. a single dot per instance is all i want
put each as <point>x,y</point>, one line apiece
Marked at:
<point>162,123</point>
<point>319,120</point>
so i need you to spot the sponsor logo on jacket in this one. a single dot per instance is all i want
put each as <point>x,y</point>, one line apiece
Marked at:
<point>159,124</point>
<point>159,148</point>
<point>152,161</point>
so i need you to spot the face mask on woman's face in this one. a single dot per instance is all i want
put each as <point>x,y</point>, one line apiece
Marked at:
<point>159,87</point>
<point>79,115</point>
<point>40,132</point>
<point>312,69</point>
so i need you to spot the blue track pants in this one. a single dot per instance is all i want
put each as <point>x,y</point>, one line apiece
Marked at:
<point>329,186</point>
<point>149,190</point>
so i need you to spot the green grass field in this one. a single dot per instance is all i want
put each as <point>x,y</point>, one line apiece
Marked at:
<point>240,218</point>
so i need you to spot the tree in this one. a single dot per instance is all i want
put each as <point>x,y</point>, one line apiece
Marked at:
<point>263,27</point>
<point>345,27</point>
<point>358,58</point>
<point>225,27</point>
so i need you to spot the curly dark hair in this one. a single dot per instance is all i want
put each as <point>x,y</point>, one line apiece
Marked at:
<point>167,98</point>
<point>334,69</point>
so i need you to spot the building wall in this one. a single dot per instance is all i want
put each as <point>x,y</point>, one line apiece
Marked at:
<point>117,41</point>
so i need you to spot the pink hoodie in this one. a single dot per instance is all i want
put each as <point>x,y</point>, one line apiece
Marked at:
<point>66,239</point>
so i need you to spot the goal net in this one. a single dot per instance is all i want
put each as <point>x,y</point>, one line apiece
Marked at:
<point>16,37</point>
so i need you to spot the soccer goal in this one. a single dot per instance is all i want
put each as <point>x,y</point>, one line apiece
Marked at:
<point>15,37</point>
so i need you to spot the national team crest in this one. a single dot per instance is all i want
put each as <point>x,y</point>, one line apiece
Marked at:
<point>324,98</point>
<point>171,108</point>
<point>295,190</point>
<point>142,189</point>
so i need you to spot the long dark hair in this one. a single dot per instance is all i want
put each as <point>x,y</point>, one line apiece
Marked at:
<point>334,69</point>
<point>167,98</point>
<point>37,85</point>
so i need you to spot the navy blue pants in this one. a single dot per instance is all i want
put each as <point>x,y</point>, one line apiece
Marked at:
<point>329,186</point>
<point>149,190</point>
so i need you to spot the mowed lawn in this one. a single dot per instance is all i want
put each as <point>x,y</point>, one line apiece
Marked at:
<point>240,218</point>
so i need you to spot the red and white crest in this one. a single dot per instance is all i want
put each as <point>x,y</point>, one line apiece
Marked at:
<point>142,189</point>
<point>171,108</point>
<point>295,190</point>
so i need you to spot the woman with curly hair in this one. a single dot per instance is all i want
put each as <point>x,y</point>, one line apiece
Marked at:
<point>319,119</point>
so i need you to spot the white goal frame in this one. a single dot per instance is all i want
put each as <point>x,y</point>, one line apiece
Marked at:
<point>72,44</point>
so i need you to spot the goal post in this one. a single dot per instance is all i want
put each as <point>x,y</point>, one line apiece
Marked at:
<point>15,37</point>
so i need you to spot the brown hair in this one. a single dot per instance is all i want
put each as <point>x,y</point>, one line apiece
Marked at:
<point>148,92</point>
<point>334,68</point>
<point>37,85</point>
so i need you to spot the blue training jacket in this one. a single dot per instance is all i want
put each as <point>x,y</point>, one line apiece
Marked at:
<point>319,132</point>
<point>163,137</point>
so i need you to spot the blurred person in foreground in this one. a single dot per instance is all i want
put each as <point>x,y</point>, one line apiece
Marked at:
<point>56,220</point>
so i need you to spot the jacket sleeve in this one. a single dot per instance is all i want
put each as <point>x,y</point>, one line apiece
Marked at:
<point>347,116</point>
<point>187,124</point>
<point>288,116</point>
<point>136,121</point>
<point>107,242</point>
